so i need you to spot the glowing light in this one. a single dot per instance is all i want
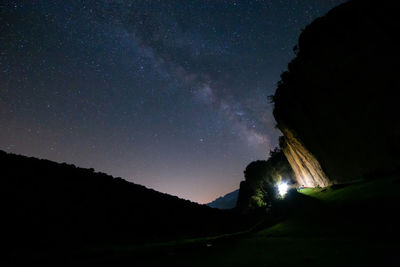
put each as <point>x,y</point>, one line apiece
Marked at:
<point>282,188</point>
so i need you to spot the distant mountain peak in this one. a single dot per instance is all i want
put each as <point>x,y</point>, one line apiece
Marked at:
<point>225,202</point>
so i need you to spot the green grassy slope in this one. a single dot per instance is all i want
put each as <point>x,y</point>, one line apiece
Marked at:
<point>347,225</point>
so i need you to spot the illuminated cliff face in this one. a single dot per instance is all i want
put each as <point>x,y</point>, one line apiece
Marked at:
<point>308,171</point>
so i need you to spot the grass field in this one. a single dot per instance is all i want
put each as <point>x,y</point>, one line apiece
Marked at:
<point>343,225</point>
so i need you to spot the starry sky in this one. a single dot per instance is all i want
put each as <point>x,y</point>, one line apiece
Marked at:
<point>168,94</point>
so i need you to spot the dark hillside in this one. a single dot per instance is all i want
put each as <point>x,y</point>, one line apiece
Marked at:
<point>338,100</point>
<point>46,203</point>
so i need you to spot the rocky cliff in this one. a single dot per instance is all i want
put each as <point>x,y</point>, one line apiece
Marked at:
<point>307,170</point>
<point>337,103</point>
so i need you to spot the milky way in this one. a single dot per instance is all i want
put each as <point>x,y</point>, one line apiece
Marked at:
<point>169,94</point>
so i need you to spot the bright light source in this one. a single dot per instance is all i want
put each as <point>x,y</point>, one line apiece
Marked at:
<point>282,188</point>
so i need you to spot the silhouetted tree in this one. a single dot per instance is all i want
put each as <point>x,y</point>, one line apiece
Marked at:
<point>261,178</point>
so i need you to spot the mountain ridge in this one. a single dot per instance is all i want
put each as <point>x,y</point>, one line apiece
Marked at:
<point>55,203</point>
<point>225,202</point>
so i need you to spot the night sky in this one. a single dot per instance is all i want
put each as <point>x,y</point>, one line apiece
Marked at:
<point>168,94</point>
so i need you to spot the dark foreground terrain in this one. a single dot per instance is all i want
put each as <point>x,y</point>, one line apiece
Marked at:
<point>342,225</point>
<point>354,225</point>
<point>49,208</point>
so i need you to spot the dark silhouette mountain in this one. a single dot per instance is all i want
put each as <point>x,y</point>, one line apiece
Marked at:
<point>225,202</point>
<point>337,104</point>
<point>47,203</point>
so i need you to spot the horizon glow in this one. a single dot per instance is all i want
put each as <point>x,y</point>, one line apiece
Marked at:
<point>171,95</point>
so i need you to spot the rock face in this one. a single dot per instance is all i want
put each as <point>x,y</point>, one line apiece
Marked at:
<point>308,171</point>
<point>337,105</point>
